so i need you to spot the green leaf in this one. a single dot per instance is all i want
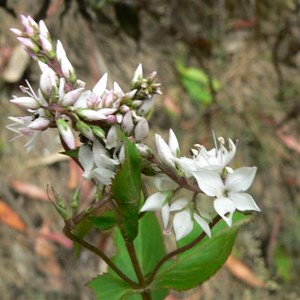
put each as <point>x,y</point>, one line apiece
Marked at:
<point>196,83</point>
<point>110,287</point>
<point>104,222</point>
<point>126,190</point>
<point>198,264</point>
<point>149,245</point>
<point>71,153</point>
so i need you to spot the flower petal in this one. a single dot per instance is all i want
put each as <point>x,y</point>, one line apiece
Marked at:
<point>202,224</point>
<point>154,202</point>
<point>183,224</point>
<point>243,201</point>
<point>179,204</point>
<point>240,179</point>
<point>164,183</point>
<point>165,214</point>
<point>173,143</point>
<point>225,209</point>
<point>209,182</point>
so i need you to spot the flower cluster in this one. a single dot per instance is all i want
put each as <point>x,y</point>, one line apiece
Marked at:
<point>209,170</point>
<point>103,115</point>
<point>62,101</point>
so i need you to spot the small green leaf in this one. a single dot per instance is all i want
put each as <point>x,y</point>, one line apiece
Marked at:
<point>104,222</point>
<point>108,286</point>
<point>196,83</point>
<point>71,153</point>
<point>198,264</point>
<point>126,190</point>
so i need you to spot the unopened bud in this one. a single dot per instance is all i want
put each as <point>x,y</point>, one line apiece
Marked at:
<point>40,124</point>
<point>127,123</point>
<point>44,30</point>
<point>90,114</point>
<point>85,130</point>
<point>26,102</point>
<point>100,86</point>
<point>48,82</point>
<point>141,130</point>
<point>71,97</point>
<point>67,69</point>
<point>99,132</point>
<point>28,44</point>
<point>61,206</point>
<point>47,46</point>
<point>66,133</point>
<point>146,106</point>
<point>138,74</point>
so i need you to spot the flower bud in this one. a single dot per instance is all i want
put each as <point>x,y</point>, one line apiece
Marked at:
<point>71,97</point>
<point>99,132</point>
<point>66,133</point>
<point>117,90</point>
<point>40,124</point>
<point>44,30</point>
<point>16,31</point>
<point>90,114</point>
<point>127,123</point>
<point>146,106</point>
<point>47,46</point>
<point>28,44</point>
<point>141,130</point>
<point>85,130</point>
<point>60,51</point>
<point>26,102</point>
<point>48,82</point>
<point>138,74</point>
<point>100,86</point>
<point>67,69</point>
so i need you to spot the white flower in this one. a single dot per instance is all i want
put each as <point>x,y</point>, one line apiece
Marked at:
<point>229,194</point>
<point>21,126</point>
<point>160,200</point>
<point>183,219</point>
<point>215,159</point>
<point>167,153</point>
<point>97,163</point>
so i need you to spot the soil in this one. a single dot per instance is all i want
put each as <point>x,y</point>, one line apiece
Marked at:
<point>251,47</point>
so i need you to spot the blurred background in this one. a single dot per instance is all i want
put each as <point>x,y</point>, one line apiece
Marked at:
<point>228,65</point>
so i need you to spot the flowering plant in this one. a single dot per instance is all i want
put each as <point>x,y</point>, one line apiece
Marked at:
<point>111,150</point>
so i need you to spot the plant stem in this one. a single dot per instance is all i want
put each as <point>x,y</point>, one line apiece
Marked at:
<point>90,247</point>
<point>146,295</point>
<point>179,250</point>
<point>135,263</point>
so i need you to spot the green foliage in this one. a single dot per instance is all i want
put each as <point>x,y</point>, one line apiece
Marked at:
<point>126,190</point>
<point>198,264</point>
<point>71,153</point>
<point>149,247</point>
<point>108,286</point>
<point>104,222</point>
<point>196,83</point>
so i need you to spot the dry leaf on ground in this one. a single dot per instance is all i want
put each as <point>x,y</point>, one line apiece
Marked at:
<point>10,218</point>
